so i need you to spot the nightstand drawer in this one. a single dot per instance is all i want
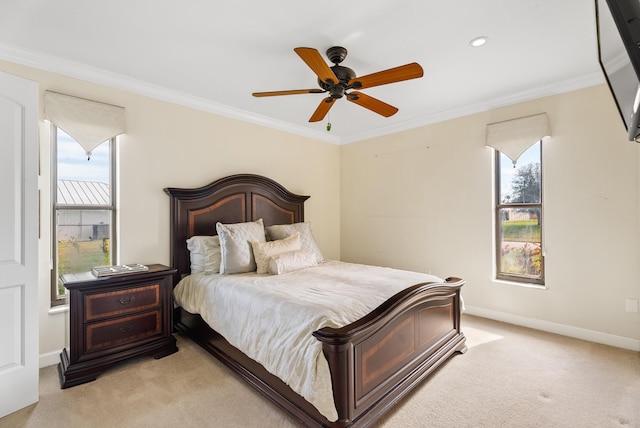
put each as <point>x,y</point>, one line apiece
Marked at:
<point>121,302</point>
<point>122,330</point>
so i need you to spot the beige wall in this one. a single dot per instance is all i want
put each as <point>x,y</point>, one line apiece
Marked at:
<point>422,200</point>
<point>169,145</point>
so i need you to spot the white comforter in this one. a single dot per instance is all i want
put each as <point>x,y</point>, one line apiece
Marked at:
<point>270,318</point>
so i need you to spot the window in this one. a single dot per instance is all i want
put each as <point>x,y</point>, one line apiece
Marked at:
<point>519,216</point>
<point>84,211</point>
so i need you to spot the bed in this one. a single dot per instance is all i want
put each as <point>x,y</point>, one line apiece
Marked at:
<point>372,362</point>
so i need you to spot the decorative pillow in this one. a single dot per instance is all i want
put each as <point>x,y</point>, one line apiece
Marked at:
<point>262,251</point>
<point>235,246</point>
<point>290,261</point>
<point>204,252</point>
<point>307,242</point>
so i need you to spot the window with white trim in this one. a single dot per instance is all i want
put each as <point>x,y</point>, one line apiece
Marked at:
<point>83,166</point>
<point>84,208</point>
<point>518,196</point>
<point>519,216</point>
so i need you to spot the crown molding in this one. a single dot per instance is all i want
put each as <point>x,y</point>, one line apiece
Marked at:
<point>117,81</point>
<point>95,75</point>
<point>490,104</point>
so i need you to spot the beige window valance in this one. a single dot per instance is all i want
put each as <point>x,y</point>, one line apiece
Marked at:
<point>90,123</point>
<point>513,137</point>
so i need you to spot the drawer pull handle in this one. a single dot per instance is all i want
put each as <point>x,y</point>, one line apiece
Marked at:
<point>126,329</point>
<point>127,300</point>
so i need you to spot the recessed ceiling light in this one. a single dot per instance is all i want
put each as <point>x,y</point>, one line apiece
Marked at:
<point>478,41</point>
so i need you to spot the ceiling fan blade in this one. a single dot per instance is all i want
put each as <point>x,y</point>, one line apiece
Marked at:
<point>315,62</point>
<point>373,104</point>
<point>291,92</point>
<point>322,109</point>
<point>392,75</point>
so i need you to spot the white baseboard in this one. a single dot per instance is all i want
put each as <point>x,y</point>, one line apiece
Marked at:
<point>551,327</point>
<point>49,359</point>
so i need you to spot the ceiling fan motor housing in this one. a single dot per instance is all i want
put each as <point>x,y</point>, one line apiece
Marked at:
<point>336,55</point>
<point>344,75</point>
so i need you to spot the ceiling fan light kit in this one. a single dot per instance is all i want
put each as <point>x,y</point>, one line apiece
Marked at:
<point>337,80</point>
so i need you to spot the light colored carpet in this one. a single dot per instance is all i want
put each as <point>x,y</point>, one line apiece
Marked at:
<point>510,377</point>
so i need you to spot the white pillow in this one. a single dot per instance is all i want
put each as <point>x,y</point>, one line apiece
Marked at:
<point>235,246</point>
<point>307,242</point>
<point>262,251</point>
<point>204,252</point>
<point>290,261</point>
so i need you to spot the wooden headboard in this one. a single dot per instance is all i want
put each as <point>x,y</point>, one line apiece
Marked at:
<point>233,199</point>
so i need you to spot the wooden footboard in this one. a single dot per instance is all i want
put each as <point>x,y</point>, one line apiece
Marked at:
<point>377,360</point>
<point>374,362</point>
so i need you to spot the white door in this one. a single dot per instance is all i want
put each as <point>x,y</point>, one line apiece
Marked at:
<point>18,243</point>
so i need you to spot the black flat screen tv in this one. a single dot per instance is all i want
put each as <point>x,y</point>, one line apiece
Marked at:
<point>618,29</point>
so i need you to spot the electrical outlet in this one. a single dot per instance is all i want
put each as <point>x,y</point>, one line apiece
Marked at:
<point>631,305</point>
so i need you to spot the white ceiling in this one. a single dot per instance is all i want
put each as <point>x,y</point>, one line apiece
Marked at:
<point>213,54</point>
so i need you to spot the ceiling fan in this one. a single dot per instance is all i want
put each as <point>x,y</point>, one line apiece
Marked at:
<point>337,80</point>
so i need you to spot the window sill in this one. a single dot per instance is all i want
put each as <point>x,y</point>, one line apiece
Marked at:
<point>59,309</point>
<point>521,284</point>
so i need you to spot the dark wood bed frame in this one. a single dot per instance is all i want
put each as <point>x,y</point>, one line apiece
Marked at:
<point>374,362</point>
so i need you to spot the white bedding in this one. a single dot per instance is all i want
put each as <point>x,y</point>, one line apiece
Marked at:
<point>270,318</point>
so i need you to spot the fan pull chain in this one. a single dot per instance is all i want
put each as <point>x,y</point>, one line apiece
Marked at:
<point>328,122</point>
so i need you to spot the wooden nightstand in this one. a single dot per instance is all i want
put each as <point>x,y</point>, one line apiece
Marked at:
<point>114,318</point>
